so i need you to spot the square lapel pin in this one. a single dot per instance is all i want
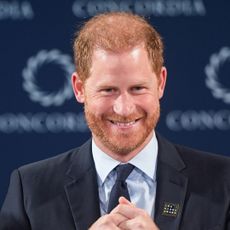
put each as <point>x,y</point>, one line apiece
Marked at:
<point>170,209</point>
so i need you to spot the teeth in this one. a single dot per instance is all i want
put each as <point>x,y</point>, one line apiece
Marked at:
<point>124,124</point>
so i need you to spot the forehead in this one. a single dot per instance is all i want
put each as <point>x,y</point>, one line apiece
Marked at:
<point>125,66</point>
<point>123,58</point>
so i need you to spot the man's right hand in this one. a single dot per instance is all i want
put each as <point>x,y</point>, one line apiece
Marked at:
<point>109,221</point>
<point>125,217</point>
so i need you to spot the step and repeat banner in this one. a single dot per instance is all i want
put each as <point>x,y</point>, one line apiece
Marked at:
<point>39,116</point>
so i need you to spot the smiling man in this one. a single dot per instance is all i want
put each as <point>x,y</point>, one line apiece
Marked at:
<point>126,176</point>
<point>121,99</point>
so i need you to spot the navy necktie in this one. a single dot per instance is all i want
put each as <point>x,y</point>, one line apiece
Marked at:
<point>120,187</point>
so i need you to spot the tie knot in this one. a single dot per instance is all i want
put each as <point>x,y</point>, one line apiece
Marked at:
<point>123,171</point>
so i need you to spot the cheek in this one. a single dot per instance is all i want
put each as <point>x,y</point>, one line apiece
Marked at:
<point>147,102</point>
<point>99,106</point>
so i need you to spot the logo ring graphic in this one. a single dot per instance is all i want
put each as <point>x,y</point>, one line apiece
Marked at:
<point>212,79</point>
<point>55,98</point>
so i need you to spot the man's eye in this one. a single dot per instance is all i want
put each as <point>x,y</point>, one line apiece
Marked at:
<point>108,91</point>
<point>138,89</point>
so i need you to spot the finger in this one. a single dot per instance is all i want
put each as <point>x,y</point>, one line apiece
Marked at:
<point>118,210</point>
<point>123,200</point>
<point>108,221</point>
<point>129,211</point>
<point>138,223</point>
<point>117,218</point>
<point>125,225</point>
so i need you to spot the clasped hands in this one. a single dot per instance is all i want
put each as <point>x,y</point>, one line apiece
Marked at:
<point>126,216</point>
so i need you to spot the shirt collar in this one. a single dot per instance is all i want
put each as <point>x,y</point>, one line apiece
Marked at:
<point>145,160</point>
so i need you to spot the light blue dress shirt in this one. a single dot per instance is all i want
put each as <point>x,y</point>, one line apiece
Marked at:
<point>141,182</point>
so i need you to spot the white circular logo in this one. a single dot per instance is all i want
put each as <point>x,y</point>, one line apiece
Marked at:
<point>212,80</point>
<point>44,57</point>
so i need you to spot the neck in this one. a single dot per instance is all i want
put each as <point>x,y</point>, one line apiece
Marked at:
<point>125,157</point>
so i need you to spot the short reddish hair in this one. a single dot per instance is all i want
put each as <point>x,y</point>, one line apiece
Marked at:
<point>116,31</point>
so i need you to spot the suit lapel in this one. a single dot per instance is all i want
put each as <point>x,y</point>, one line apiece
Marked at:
<point>171,187</point>
<point>82,191</point>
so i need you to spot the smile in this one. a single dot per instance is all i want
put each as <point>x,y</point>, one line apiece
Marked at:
<point>124,124</point>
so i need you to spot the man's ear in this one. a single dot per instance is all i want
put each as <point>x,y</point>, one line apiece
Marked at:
<point>78,87</point>
<point>162,82</point>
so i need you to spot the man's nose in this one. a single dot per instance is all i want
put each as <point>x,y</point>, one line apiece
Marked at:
<point>124,105</point>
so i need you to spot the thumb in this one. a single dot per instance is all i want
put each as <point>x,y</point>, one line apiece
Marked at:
<point>123,200</point>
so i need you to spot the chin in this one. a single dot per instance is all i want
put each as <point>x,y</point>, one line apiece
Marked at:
<point>121,147</point>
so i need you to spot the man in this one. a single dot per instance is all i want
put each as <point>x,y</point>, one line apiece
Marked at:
<point>120,79</point>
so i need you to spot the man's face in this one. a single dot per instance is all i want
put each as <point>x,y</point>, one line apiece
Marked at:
<point>121,98</point>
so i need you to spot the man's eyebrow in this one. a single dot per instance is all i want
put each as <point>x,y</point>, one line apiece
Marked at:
<point>104,86</point>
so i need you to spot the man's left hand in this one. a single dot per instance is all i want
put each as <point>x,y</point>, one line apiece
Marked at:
<point>137,218</point>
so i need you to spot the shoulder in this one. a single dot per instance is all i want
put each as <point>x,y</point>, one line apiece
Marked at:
<point>49,174</point>
<point>46,178</point>
<point>195,155</point>
<point>197,165</point>
<point>54,167</point>
<point>59,161</point>
<point>202,164</point>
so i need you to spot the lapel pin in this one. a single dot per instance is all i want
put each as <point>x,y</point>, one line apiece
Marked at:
<point>170,209</point>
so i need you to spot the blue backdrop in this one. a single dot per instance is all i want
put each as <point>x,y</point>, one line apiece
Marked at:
<point>39,116</point>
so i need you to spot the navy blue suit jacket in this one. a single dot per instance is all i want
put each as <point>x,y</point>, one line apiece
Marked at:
<point>61,193</point>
